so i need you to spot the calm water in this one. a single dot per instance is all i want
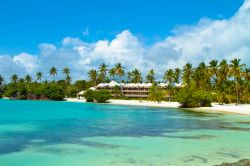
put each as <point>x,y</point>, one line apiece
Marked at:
<point>37,133</point>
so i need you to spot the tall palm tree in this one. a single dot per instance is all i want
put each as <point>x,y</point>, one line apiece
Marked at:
<point>169,77</point>
<point>39,76</point>
<point>28,80</point>
<point>14,78</point>
<point>236,71</point>
<point>112,73</point>
<point>136,76</point>
<point>202,76</point>
<point>1,80</point>
<point>213,67</point>
<point>93,76</point>
<point>187,72</point>
<point>129,76</point>
<point>151,76</point>
<point>120,72</point>
<point>223,73</point>
<point>103,72</point>
<point>66,71</point>
<point>53,72</point>
<point>177,74</point>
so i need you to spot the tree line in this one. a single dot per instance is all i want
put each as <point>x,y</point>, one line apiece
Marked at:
<point>224,81</point>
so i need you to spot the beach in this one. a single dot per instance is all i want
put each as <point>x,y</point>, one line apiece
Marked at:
<point>243,109</point>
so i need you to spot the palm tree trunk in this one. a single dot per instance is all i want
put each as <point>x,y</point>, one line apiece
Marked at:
<point>169,94</point>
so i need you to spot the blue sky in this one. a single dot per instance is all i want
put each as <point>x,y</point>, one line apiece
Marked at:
<point>158,34</point>
<point>26,23</point>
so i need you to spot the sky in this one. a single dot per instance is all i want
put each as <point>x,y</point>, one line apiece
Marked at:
<point>81,34</point>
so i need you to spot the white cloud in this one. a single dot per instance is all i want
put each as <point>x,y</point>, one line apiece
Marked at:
<point>208,39</point>
<point>29,62</point>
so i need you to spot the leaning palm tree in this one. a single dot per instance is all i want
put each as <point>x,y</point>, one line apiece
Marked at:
<point>93,76</point>
<point>53,72</point>
<point>151,76</point>
<point>39,76</point>
<point>169,77</point>
<point>14,78</point>
<point>236,71</point>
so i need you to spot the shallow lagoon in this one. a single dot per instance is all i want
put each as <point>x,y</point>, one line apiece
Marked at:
<point>71,134</point>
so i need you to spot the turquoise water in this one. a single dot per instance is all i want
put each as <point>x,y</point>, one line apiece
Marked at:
<point>40,133</point>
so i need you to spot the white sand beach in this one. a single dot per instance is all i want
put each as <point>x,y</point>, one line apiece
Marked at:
<point>243,109</point>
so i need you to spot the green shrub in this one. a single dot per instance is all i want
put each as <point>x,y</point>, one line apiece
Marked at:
<point>54,91</point>
<point>190,97</point>
<point>102,96</point>
<point>156,94</point>
<point>89,95</point>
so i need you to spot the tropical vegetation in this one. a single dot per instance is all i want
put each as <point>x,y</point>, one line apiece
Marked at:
<point>216,81</point>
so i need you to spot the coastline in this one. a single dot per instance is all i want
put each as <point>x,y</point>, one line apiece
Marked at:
<point>243,109</point>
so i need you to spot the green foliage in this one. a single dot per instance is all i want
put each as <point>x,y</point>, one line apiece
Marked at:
<point>156,94</point>
<point>102,96</point>
<point>89,95</point>
<point>54,91</point>
<point>191,97</point>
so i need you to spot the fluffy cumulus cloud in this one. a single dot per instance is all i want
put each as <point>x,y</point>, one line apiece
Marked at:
<point>208,39</point>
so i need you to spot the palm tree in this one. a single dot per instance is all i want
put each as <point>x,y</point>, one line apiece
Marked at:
<point>129,76</point>
<point>39,76</point>
<point>66,71</point>
<point>201,76</point>
<point>93,76</point>
<point>112,73</point>
<point>151,76</point>
<point>187,72</point>
<point>120,72</point>
<point>53,72</point>
<point>214,71</point>
<point>169,77</point>
<point>14,78</point>
<point>136,76</point>
<point>103,72</point>
<point>177,74</point>
<point>1,80</point>
<point>223,73</point>
<point>236,71</point>
<point>27,79</point>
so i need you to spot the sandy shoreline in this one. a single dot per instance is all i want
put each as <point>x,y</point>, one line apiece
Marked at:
<point>243,109</point>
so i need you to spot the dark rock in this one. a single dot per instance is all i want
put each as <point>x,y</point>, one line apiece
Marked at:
<point>239,163</point>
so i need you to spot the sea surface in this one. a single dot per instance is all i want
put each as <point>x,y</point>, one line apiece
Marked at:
<point>46,133</point>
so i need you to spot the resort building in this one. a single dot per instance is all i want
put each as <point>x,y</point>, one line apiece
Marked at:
<point>129,90</point>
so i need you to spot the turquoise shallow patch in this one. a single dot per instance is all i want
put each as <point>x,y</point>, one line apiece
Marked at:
<point>72,134</point>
